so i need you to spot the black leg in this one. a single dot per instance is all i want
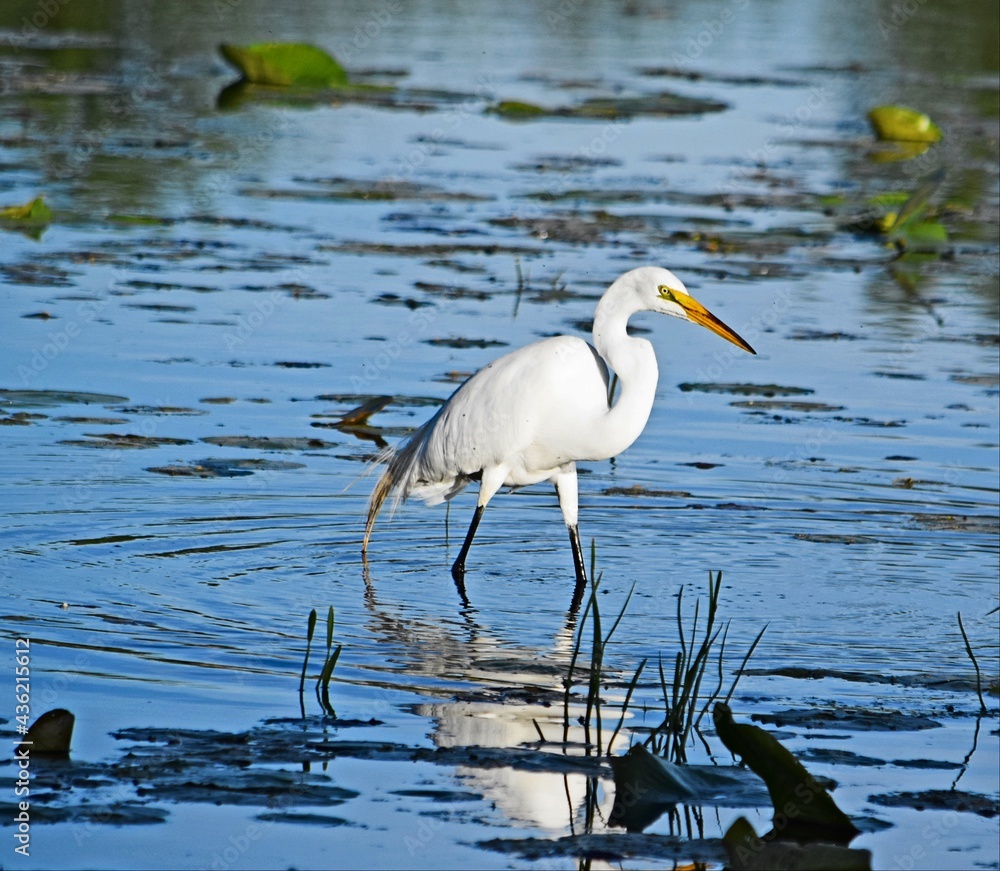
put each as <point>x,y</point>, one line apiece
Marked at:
<point>581,571</point>
<point>458,569</point>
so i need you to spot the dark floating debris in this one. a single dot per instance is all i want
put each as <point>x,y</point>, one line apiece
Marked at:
<point>90,421</point>
<point>611,847</point>
<point>302,819</point>
<point>854,719</point>
<point>941,799</point>
<point>451,291</point>
<point>804,335</point>
<point>743,389</point>
<point>988,380</point>
<point>224,468</point>
<point>21,418</point>
<point>160,410</point>
<point>123,440</point>
<point>363,190</point>
<point>835,756</point>
<point>405,301</point>
<point>256,787</point>
<point>637,490</point>
<point>783,405</point>
<point>929,681</point>
<point>268,443</point>
<point>830,538</point>
<point>49,398</point>
<point>463,343</point>
<point>958,522</point>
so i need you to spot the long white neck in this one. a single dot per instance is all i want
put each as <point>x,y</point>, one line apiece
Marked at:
<point>633,361</point>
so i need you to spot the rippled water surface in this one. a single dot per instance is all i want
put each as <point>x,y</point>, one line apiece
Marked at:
<point>227,275</point>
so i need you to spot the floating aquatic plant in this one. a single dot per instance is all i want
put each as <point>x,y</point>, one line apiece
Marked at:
<point>902,124</point>
<point>286,64</point>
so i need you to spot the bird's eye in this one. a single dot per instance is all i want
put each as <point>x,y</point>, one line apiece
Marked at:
<point>665,293</point>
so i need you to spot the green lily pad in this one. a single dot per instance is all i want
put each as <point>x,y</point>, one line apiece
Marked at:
<point>285,64</point>
<point>36,212</point>
<point>31,219</point>
<point>903,124</point>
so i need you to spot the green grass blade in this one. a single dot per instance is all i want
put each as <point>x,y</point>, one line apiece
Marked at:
<point>746,659</point>
<point>323,684</point>
<point>310,631</point>
<point>618,620</point>
<point>628,698</point>
<point>718,686</point>
<point>975,664</point>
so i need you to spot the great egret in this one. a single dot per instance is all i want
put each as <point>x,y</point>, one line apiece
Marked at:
<point>530,415</point>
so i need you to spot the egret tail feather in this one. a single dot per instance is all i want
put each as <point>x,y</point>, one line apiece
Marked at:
<point>382,489</point>
<point>399,471</point>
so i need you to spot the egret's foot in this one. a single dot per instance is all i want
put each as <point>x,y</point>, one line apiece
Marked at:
<point>458,575</point>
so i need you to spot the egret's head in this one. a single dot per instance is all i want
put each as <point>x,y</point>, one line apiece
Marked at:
<point>664,292</point>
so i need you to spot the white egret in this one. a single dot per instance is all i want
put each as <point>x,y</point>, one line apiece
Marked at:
<point>532,414</point>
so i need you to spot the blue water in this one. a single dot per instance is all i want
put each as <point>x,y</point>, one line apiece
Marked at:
<point>855,530</point>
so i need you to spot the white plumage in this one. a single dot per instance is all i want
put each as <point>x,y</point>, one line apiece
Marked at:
<point>530,415</point>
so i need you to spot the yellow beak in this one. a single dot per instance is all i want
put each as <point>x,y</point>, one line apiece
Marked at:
<point>701,315</point>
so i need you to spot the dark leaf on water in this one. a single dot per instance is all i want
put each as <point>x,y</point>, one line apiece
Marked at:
<point>747,852</point>
<point>51,734</point>
<point>646,784</point>
<point>802,803</point>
